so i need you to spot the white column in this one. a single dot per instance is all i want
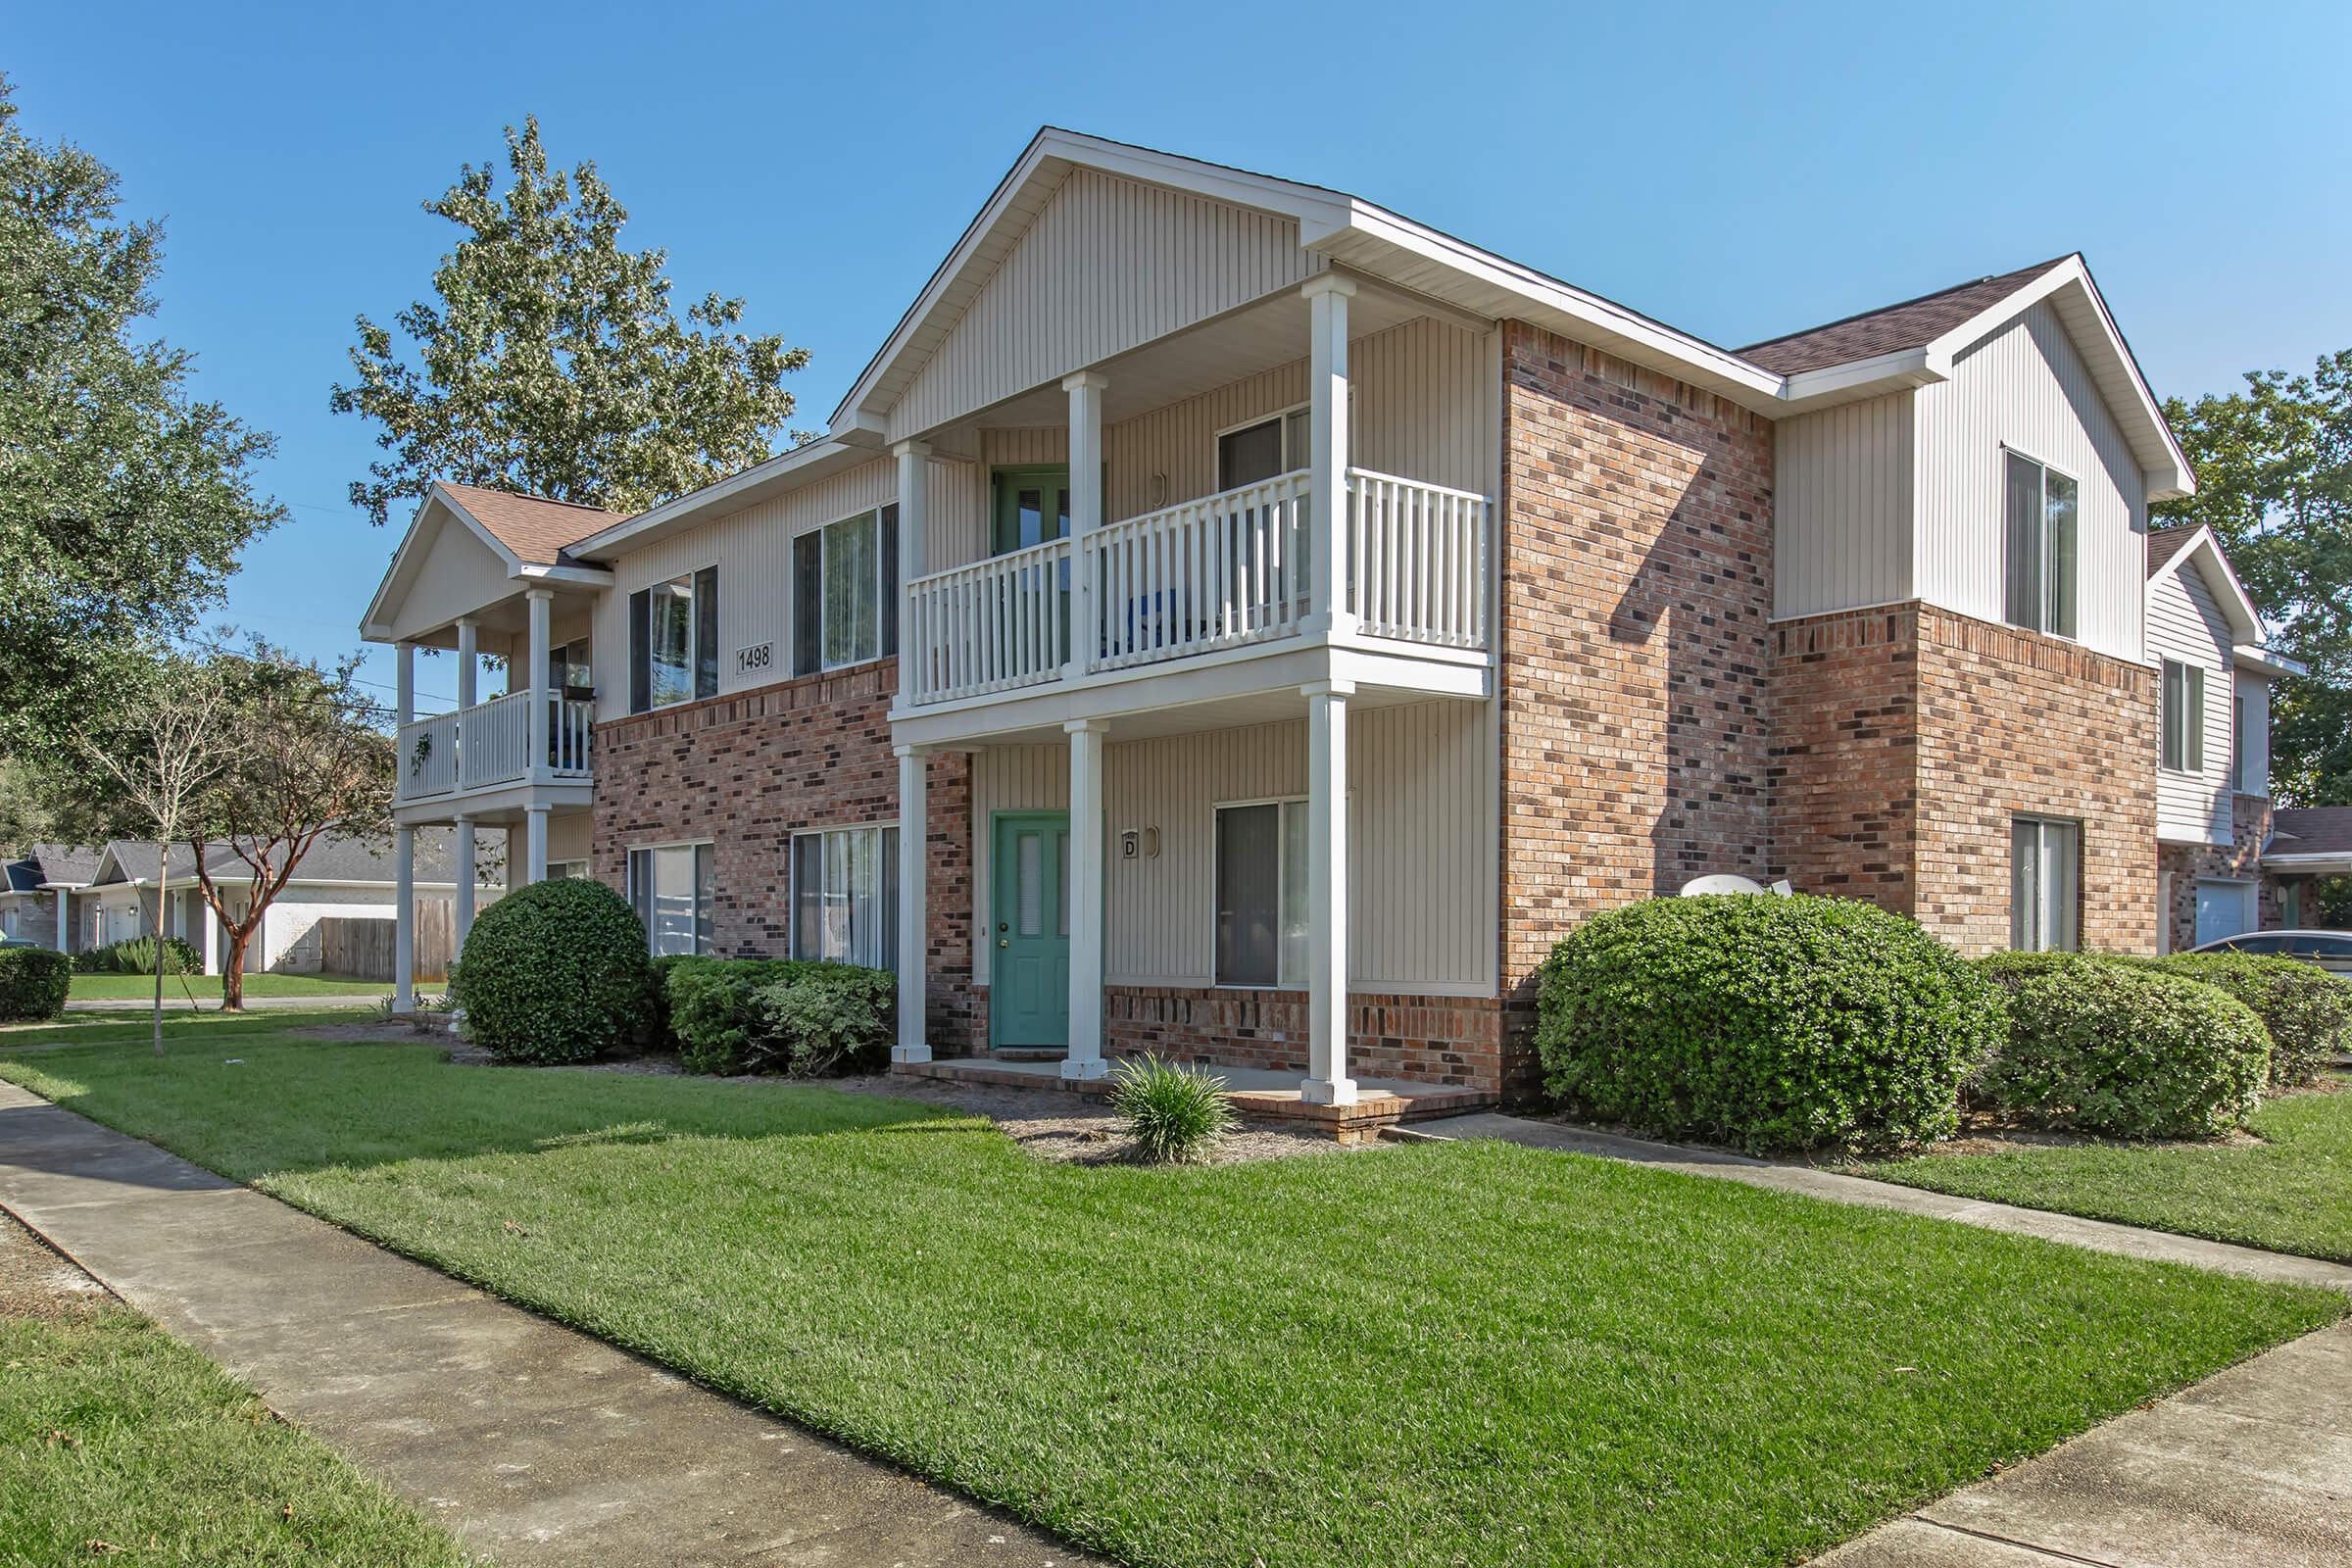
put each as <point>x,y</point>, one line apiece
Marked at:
<point>467,663</point>
<point>1086,390</point>
<point>1327,448</point>
<point>464,896</point>
<point>404,682</point>
<point>914,925</point>
<point>212,937</point>
<point>404,926</point>
<point>541,604</point>
<point>915,557</point>
<point>1084,1058</point>
<point>534,844</point>
<point>1327,1082</point>
<point>65,921</point>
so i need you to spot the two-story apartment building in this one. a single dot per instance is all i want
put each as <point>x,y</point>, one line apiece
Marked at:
<point>1230,618</point>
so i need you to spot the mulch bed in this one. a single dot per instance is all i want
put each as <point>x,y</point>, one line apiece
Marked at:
<point>38,1280</point>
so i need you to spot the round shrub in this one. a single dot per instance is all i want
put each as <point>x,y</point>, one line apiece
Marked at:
<point>2009,970</point>
<point>554,972</point>
<point>2307,1011</point>
<point>33,982</point>
<point>2129,1051</point>
<point>1766,1022</point>
<point>1176,1115</point>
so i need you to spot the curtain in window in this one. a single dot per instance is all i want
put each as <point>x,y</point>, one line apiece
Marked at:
<point>845,896</point>
<point>706,632</point>
<point>671,664</point>
<point>2043,874</point>
<point>2024,596</point>
<point>852,609</point>
<point>2058,525</point>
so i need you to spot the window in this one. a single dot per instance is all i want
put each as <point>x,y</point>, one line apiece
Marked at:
<point>673,641</point>
<point>670,887</point>
<point>845,896</point>
<point>1262,894</point>
<point>846,591</point>
<point>568,672</point>
<point>2040,508</point>
<point>568,871</point>
<point>2043,857</point>
<point>2183,718</point>
<point>1262,450</point>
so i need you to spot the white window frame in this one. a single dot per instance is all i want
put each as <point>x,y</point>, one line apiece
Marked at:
<point>654,700</point>
<point>886,898</point>
<point>2070,938</point>
<point>1292,462</point>
<point>2190,728</point>
<point>703,919</point>
<point>558,870</point>
<point>872,516</point>
<point>2048,589</point>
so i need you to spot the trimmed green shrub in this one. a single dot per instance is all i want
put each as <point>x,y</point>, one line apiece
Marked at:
<point>802,1018</point>
<point>33,982</point>
<point>2129,1051</point>
<point>2009,970</point>
<point>555,971</point>
<point>1765,1022</point>
<point>1176,1115</point>
<point>136,955</point>
<point>2307,1011</point>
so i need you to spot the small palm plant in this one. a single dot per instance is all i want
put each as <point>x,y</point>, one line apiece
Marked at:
<point>1176,1115</point>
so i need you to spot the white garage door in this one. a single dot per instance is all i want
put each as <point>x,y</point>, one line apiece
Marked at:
<point>2224,910</point>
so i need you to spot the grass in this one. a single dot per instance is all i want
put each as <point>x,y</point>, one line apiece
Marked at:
<point>1440,1353</point>
<point>141,987</point>
<point>118,1444</point>
<point>179,1028</point>
<point>2292,1192</point>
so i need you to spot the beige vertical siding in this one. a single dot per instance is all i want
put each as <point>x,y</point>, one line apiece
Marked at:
<point>2254,740</point>
<point>1109,264</point>
<point>1422,841</point>
<point>1842,506</point>
<point>2027,387</point>
<point>459,574</point>
<point>571,836</point>
<point>2186,624</point>
<point>753,551</point>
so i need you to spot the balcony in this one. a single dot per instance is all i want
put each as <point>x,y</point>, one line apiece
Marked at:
<point>1221,573</point>
<point>488,747</point>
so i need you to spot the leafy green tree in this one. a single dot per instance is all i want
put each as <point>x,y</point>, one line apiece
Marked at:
<point>2275,481</point>
<point>551,359</point>
<point>123,500</point>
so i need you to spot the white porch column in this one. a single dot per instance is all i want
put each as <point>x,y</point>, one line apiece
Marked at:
<point>404,682</point>
<point>915,923</point>
<point>464,896</point>
<point>466,661</point>
<point>212,935</point>
<point>1327,447</point>
<point>65,921</point>
<point>914,558</point>
<point>1084,1058</point>
<point>1086,390</point>
<point>542,604</point>
<point>534,844</point>
<point>1327,1082</point>
<point>404,927</point>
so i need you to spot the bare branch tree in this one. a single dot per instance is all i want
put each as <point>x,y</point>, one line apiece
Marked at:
<point>163,759</point>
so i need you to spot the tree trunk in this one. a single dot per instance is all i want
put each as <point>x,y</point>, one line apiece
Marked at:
<point>163,895</point>
<point>233,972</point>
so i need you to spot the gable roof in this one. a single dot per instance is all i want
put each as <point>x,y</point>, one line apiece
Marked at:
<point>2312,830</point>
<point>335,858</point>
<point>534,530</point>
<point>2166,543</point>
<point>49,865</point>
<point>1909,325</point>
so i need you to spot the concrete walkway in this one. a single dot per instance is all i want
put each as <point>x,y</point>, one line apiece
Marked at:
<point>2099,1236</point>
<point>535,1444</point>
<point>209,1001</point>
<point>2253,1466</point>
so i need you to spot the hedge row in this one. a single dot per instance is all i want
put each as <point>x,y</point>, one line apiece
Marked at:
<point>33,982</point>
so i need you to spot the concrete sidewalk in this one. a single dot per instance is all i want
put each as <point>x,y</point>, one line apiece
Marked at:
<point>210,1001</point>
<point>535,1444</point>
<point>2101,1236</point>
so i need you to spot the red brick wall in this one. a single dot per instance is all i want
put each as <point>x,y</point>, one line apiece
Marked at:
<point>749,769</point>
<point>1438,1040</point>
<point>1636,590</point>
<point>1846,754</point>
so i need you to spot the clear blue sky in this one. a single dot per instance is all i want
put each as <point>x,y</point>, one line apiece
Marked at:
<point>1734,171</point>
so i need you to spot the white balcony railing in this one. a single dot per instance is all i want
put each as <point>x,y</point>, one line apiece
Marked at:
<point>1218,572</point>
<point>490,744</point>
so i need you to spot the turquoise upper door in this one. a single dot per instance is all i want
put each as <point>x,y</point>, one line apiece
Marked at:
<point>1029,920</point>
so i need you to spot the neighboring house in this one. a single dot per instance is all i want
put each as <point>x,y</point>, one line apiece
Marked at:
<point>2307,843</point>
<point>339,877</point>
<point>1031,678</point>
<point>38,892</point>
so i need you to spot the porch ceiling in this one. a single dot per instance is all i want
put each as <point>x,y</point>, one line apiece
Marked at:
<point>1238,344</point>
<point>1271,707</point>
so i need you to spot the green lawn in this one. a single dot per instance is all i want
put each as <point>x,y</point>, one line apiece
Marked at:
<point>2292,1194</point>
<point>118,1444</point>
<point>1460,1353</point>
<point>207,988</point>
<point>180,1027</point>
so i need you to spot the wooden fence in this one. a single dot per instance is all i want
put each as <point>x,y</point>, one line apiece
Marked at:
<point>364,948</point>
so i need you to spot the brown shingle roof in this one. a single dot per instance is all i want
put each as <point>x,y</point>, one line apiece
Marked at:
<point>2313,829</point>
<point>534,527</point>
<point>2166,543</point>
<point>1912,325</point>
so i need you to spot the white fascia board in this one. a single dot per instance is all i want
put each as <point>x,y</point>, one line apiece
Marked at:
<point>2322,862</point>
<point>583,576</point>
<point>1833,384</point>
<point>2257,661</point>
<point>2245,621</point>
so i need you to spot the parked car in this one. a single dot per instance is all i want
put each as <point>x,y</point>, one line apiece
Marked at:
<point>19,942</point>
<point>2331,951</point>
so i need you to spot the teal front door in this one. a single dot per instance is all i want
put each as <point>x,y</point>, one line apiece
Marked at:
<point>1029,921</point>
